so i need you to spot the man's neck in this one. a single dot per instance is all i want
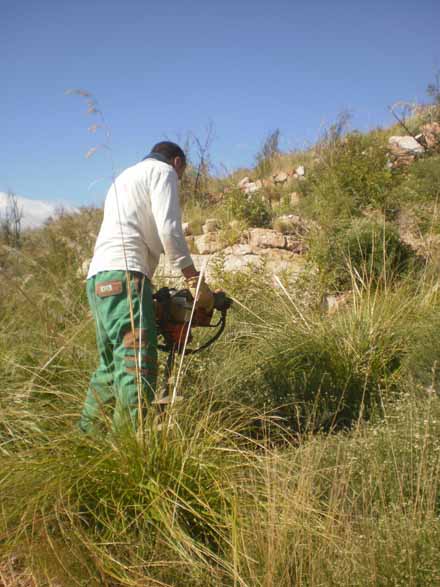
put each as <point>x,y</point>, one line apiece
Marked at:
<point>157,157</point>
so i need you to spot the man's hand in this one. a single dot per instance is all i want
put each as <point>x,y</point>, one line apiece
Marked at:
<point>205,297</point>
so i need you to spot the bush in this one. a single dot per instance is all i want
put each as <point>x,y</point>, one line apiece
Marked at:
<point>251,208</point>
<point>121,503</point>
<point>351,175</point>
<point>421,184</point>
<point>365,248</point>
<point>269,151</point>
<point>319,370</point>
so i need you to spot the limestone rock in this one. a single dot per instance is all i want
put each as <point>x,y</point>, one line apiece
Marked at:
<point>208,243</point>
<point>187,229</point>
<point>238,250</point>
<point>295,245</point>
<point>253,187</point>
<point>280,178</point>
<point>404,150</point>
<point>167,271</point>
<point>242,183</point>
<point>277,261</point>
<point>211,225</point>
<point>234,263</point>
<point>431,134</point>
<point>291,224</point>
<point>266,238</point>
<point>407,144</point>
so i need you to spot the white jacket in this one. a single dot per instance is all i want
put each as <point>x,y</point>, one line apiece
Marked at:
<point>142,219</point>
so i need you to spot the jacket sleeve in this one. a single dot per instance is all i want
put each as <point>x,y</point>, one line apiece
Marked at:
<point>165,207</point>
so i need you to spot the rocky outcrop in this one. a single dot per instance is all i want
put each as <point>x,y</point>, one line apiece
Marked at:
<point>243,182</point>
<point>280,178</point>
<point>294,225</point>
<point>407,144</point>
<point>265,250</point>
<point>208,243</point>
<point>263,238</point>
<point>252,187</point>
<point>187,229</point>
<point>211,225</point>
<point>300,172</point>
<point>404,150</point>
<point>431,134</point>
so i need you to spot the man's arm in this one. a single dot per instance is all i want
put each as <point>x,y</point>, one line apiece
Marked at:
<point>189,272</point>
<point>165,207</point>
<point>166,210</point>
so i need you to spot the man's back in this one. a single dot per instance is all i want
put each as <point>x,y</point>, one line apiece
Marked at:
<point>142,219</point>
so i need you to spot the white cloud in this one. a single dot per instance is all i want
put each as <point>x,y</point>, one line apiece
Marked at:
<point>35,212</point>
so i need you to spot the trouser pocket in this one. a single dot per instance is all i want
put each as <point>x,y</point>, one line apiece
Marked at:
<point>104,289</point>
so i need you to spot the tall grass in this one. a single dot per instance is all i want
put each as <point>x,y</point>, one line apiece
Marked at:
<point>202,503</point>
<point>238,485</point>
<point>325,370</point>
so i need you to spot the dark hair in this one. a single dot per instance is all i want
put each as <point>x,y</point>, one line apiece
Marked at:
<point>169,150</point>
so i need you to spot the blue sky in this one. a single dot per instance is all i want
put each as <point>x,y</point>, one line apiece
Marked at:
<point>164,69</point>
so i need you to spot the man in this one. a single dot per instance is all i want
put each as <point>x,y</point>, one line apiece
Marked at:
<point>142,219</point>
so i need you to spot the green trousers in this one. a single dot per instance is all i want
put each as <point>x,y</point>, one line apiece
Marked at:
<point>124,383</point>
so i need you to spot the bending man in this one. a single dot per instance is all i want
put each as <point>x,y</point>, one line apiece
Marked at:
<point>142,220</point>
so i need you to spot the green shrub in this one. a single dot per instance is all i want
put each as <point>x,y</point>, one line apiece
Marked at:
<point>351,175</point>
<point>422,183</point>
<point>317,369</point>
<point>122,502</point>
<point>368,249</point>
<point>250,208</point>
<point>270,150</point>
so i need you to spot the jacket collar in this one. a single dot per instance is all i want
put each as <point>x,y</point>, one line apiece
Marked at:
<point>157,157</point>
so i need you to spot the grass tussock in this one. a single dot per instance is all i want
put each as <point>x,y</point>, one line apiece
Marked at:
<point>206,502</point>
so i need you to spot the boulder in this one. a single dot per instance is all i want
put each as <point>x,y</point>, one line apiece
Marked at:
<point>291,224</point>
<point>208,243</point>
<point>277,261</point>
<point>238,250</point>
<point>234,263</point>
<point>431,134</point>
<point>211,225</point>
<point>295,245</point>
<point>167,271</point>
<point>243,182</point>
<point>407,144</point>
<point>404,150</point>
<point>253,187</point>
<point>280,178</point>
<point>187,229</point>
<point>263,238</point>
